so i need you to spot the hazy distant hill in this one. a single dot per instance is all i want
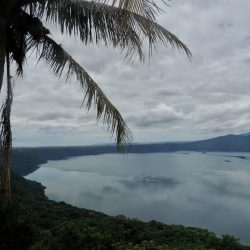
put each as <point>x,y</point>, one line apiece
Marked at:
<point>228,143</point>
<point>26,160</point>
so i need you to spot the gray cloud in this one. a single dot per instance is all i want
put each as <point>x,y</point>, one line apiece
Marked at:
<point>169,98</point>
<point>158,116</point>
<point>53,116</point>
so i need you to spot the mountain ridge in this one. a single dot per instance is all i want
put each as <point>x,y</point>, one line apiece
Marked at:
<point>27,160</point>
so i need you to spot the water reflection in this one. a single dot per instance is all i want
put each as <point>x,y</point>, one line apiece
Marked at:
<point>204,190</point>
<point>149,182</point>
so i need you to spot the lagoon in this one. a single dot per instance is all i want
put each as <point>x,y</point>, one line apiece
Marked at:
<point>206,190</point>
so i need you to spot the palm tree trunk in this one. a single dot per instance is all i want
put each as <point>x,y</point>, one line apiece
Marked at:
<point>4,169</point>
<point>2,49</point>
<point>6,137</point>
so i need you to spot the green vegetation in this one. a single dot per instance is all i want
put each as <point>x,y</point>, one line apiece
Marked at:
<point>34,222</point>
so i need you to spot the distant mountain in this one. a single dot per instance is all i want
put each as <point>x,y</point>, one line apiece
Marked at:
<point>245,134</point>
<point>27,160</point>
<point>228,143</point>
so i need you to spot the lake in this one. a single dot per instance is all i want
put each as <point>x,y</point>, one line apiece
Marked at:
<point>207,190</point>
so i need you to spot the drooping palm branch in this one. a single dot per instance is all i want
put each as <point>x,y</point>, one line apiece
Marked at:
<point>58,59</point>
<point>94,22</point>
<point>2,49</point>
<point>127,24</point>
<point>145,8</point>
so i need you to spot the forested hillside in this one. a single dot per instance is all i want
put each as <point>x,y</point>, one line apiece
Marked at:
<point>34,222</point>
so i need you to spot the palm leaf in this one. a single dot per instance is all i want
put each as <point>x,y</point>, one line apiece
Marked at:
<point>2,50</point>
<point>93,22</point>
<point>146,8</point>
<point>58,59</point>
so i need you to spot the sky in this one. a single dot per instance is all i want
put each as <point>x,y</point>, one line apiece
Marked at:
<point>167,98</point>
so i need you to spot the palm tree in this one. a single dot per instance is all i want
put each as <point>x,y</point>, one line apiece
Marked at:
<point>127,24</point>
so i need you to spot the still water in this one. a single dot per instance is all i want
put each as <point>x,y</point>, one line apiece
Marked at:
<point>209,190</point>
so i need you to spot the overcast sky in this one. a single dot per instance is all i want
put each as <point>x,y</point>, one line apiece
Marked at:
<point>168,99</point>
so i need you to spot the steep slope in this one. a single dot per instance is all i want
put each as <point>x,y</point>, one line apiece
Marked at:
<point>34,222</point>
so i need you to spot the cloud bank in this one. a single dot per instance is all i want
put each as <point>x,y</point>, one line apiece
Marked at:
<point>167,98</point>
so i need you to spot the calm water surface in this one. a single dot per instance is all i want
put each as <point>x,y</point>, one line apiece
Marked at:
<point>209,190</point>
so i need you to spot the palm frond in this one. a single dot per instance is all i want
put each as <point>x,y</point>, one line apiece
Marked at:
<point>16,46</point>
<point>58,59</point>
<point>2,50</point>
<point>145,8</point>
<point>21,24</point>
<point>156,34</point>
<point>93,22</point>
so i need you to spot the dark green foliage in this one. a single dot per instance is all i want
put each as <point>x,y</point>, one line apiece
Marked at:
<point>17,230</point>
<point>34,222</point>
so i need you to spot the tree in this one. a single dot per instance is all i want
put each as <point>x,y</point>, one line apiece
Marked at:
<point>120,23</point>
